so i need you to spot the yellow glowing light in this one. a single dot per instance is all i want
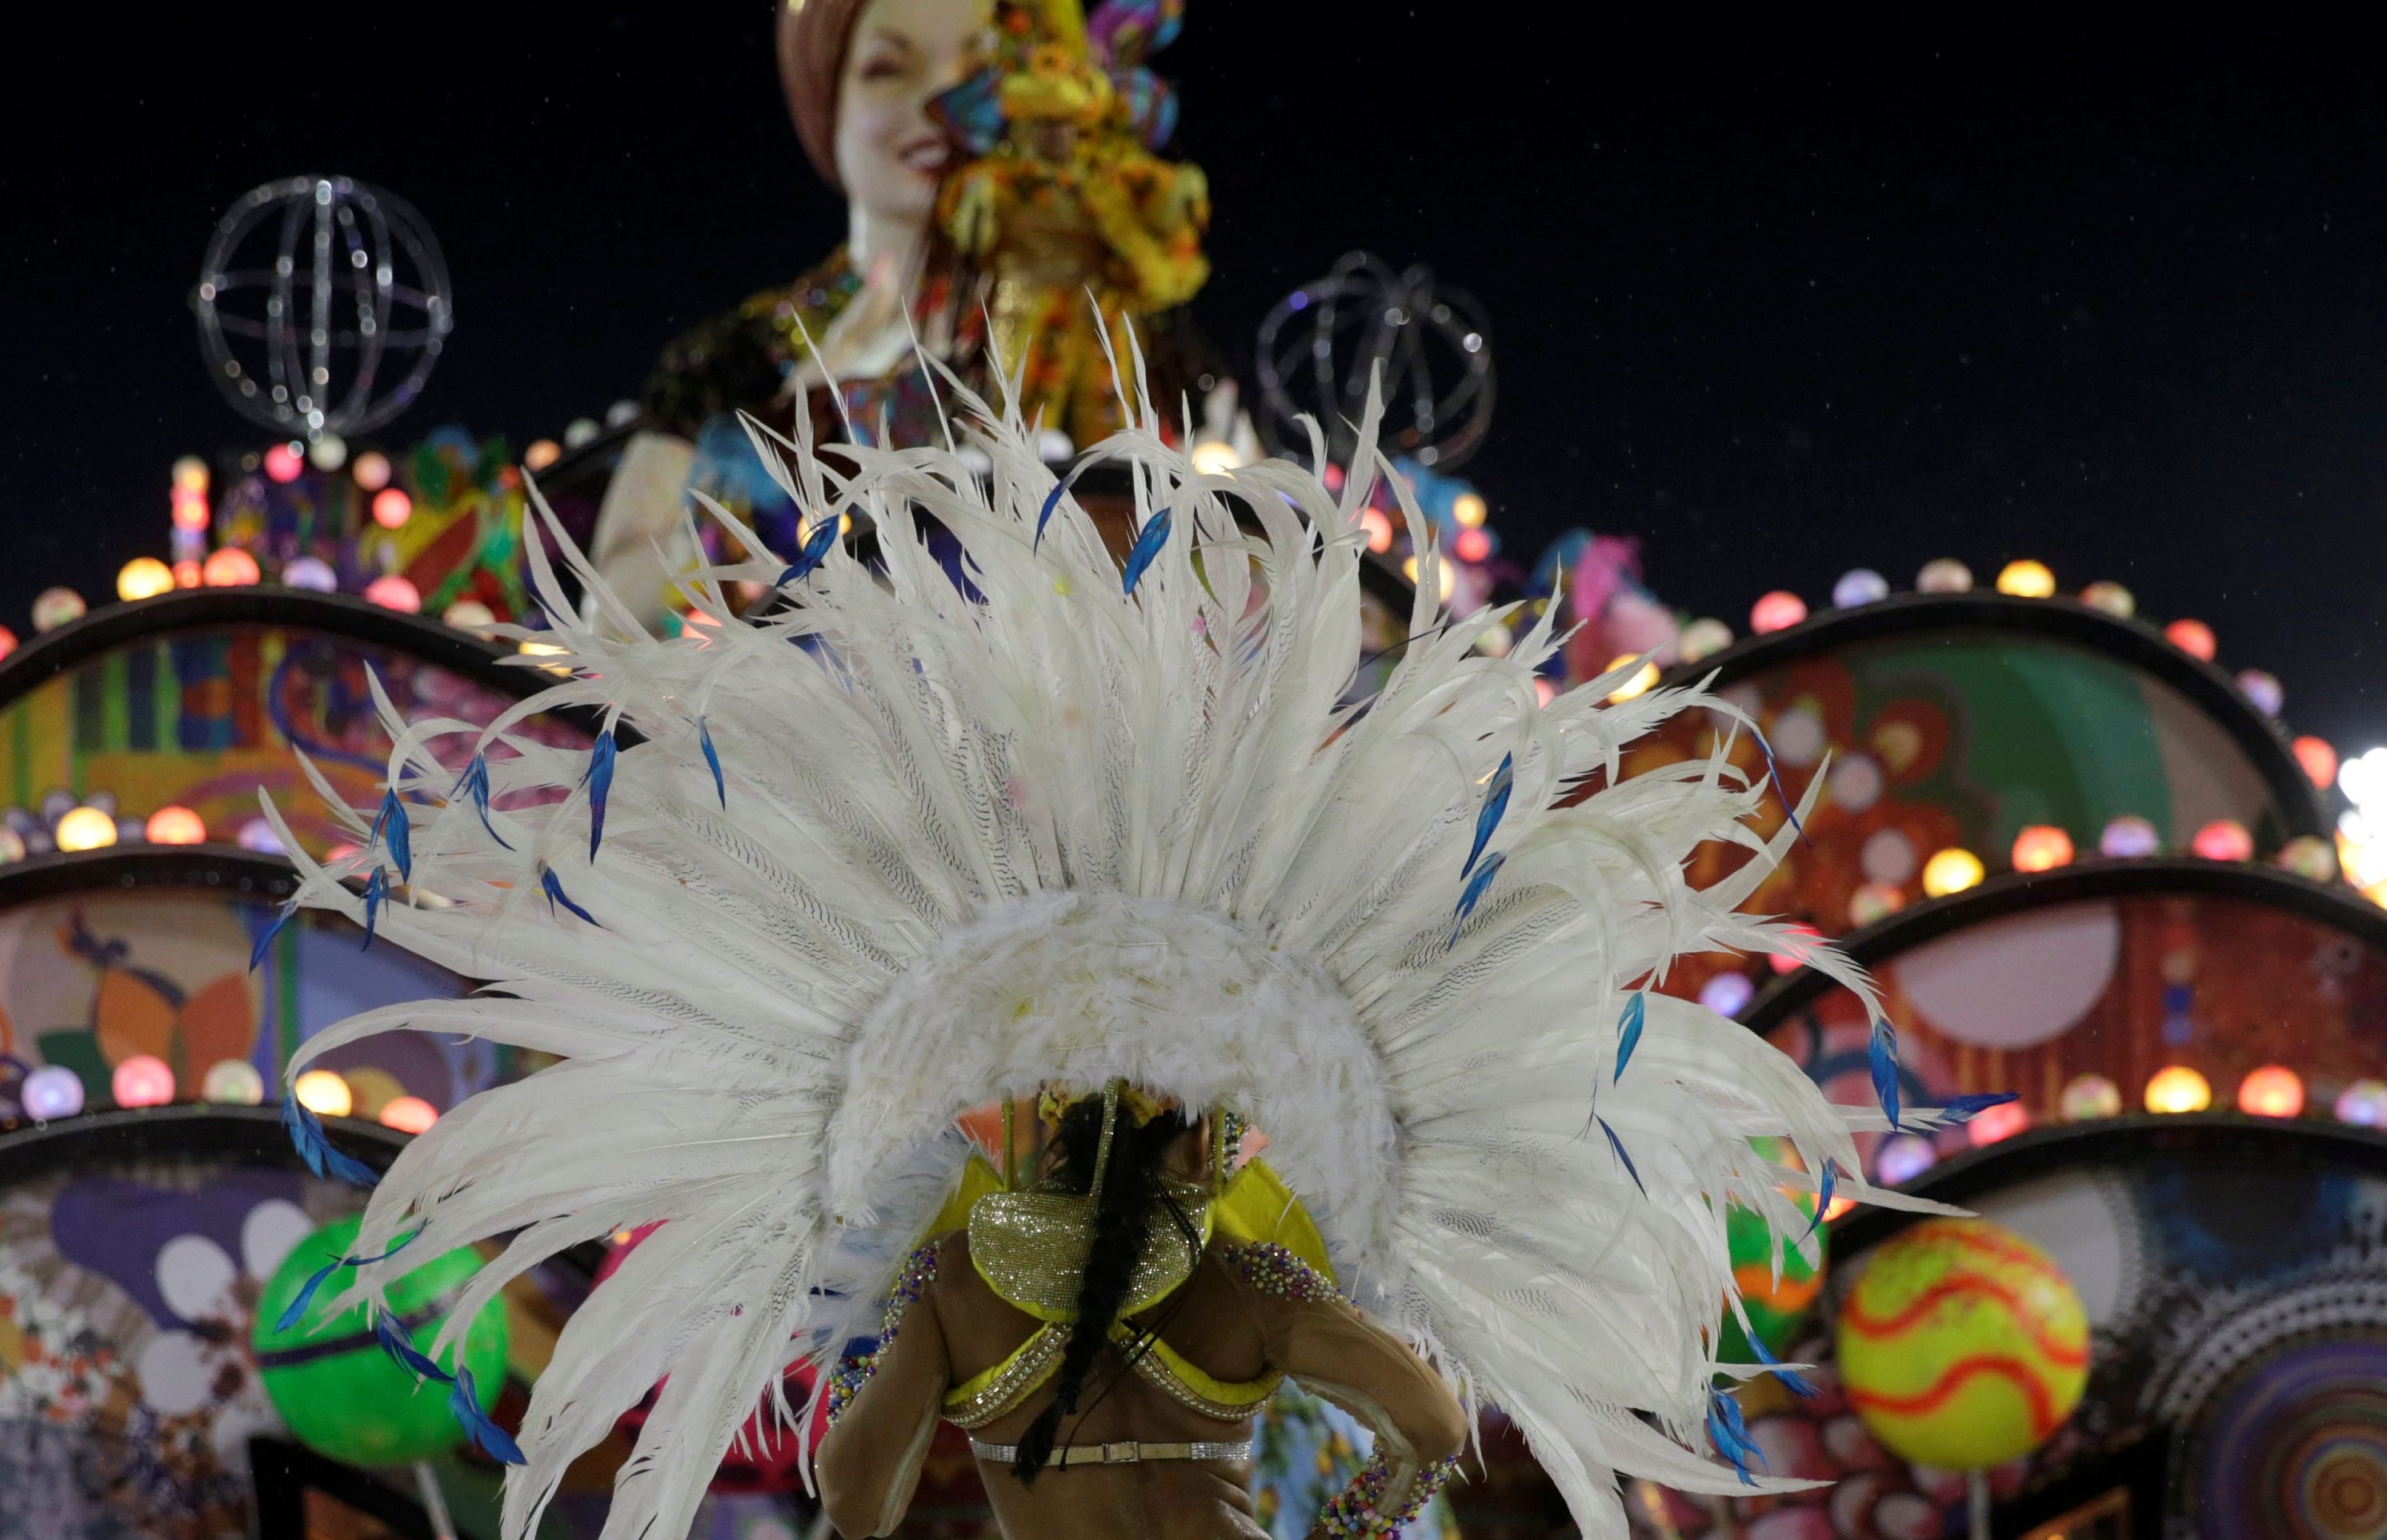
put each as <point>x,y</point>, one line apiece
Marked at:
<point>1643,677</point>
<point>545,649</point>
<point>542,453</point>
<point>2027,579</point>
<point>1469,509</point>
<point>85,829</point>
<point>2177,1088</point>
<point>190,474</point>
<point>1410,568</point>
<point>1215,457</point>
<point>176,826</point>
<point>324,1094</point>
<point>142,577</point>
<point>1951,871</point>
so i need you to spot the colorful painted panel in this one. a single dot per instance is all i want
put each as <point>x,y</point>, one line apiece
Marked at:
<point>205,719</point>
<point>89,981</point>
<point>1963,739</point>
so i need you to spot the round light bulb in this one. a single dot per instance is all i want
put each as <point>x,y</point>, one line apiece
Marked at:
<point>174,825</point>
<point>232,1083</point>
<point>1951,871</point>
<point>53,1090</point>
<point>2274,1090</point>
<point>409,1115</point>
<point>2027,579</point>
<point>85,829</point>
<point>143,1081</point>
<point>324,1094</point>
<point>2177,1088</point>
<point>142,577</point>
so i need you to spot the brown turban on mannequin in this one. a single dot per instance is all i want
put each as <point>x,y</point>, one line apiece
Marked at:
<point>814,35</point>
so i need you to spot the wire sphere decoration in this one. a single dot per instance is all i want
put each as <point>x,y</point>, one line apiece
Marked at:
<point>1320,345</point>
<point>322,303</point>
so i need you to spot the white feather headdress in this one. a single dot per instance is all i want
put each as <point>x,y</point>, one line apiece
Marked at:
<point>911,842</point>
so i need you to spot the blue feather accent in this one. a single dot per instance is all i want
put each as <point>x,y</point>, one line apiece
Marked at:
<point>306,1295</point>
<point>1618,1146</point>
<point>265,941</point>
<point>598,779</point>
<point>487,1435</point>
<point>376,889</point>
<point>1793,1380</point>
<point>392,1337</point>
<point>1788,807</point>
<point>474,783</point>
<point>550,885</point>
<point>1628,1032</point>
<point>1963,1109</point>
<point>1730,1433</point>
<point>1473,894</point>
<point>815,550</point>
<point>1148,542</point>
<point>390,823</point>
<point>1495,804</point>
<point>712,759</point>
<point>1051,502</point>
<point>1822,1199</point>
<point>1883,1054</point>
<point>317,1150</point>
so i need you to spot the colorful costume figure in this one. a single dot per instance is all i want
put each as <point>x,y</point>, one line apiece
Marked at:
<point>910,845</point>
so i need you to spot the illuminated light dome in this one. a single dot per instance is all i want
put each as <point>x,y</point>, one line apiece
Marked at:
<point>1875,900</point>
<point>471,614</point>
<point>1944,575</point>
<point>1839,1205</point>
<point>1902,1159</point>
<point>188,575</point>
<point>284,461</point>
<point>1643,677</point>
<point>229,568</point>
<point>1469,509</point>
<point>12,845</point>
<point>2274,1090</point>
<point>2364,1105</point>
<point>1215,457</point>
<point>2128,837</point>
<point>2112,597</point>
<point>1703,638</point>
<point>329,451</point>
<point>174,825</point>
<point>1992,1124</point>
<point>1727,993</point>
<point>1496,641</point>
<point>232,1083</point>
<point>324,1094</point>
<point>1378,528</point>
<point>2224,840</point>
<point>392,508</point>
<point>310,572</point>
<point>1862,586</point>
<point>2263,690</point>
<point>2194,637</point>
<point>142,1080</point>
<point>85,829</point>
<point>1778,611</point>
<point>1471,545</point>
<point>2318,758</point>
<point>2027,579</point>
<point>409,1115</point>
<point>7,642</point>
<point>53,1090</point>
<point>370,471</point>
<point>2177,1088</point>
<point>1796,957</point>
<point>542,453</point>
<point>2041,848</point>
<point>1951,871</point>
<point>2311,857</point>
<point>258,835</point>
<point>142,577</point>
<point>394,592</point>
<point>190,512</point>
<point>2089,1096</point>
<point>57,607</point>
<point>190,474</point>
<point>580,430</point>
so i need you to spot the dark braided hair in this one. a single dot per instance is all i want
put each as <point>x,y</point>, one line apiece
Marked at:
<point>1131,1189</point>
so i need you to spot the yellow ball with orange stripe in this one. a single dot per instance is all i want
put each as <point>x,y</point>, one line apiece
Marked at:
<point>1963,1345</point>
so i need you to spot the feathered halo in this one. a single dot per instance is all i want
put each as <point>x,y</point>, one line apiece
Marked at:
<point>924,836</point>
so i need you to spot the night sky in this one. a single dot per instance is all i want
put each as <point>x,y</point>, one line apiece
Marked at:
<point>1780,298</point>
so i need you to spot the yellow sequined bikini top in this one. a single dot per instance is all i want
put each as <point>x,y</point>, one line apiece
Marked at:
<point>1029,1247</point>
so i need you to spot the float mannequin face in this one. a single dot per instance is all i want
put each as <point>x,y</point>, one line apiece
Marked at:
<point>889,155</point>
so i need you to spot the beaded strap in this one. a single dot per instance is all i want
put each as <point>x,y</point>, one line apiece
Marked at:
<point>1357,1508</point>
<point>1272,1269</point>
<point>852,1373</point>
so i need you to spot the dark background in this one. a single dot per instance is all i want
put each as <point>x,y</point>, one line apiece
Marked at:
<point>1781,297</point>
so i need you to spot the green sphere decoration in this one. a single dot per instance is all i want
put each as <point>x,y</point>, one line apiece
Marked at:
<point>340,1394</point>
<point>1774,1309</point>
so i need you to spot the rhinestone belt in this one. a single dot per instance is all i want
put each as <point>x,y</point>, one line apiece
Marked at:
<point>1130,1453</point>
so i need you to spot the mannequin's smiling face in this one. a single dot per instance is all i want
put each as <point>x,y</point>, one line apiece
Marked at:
<point>890,154</point>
